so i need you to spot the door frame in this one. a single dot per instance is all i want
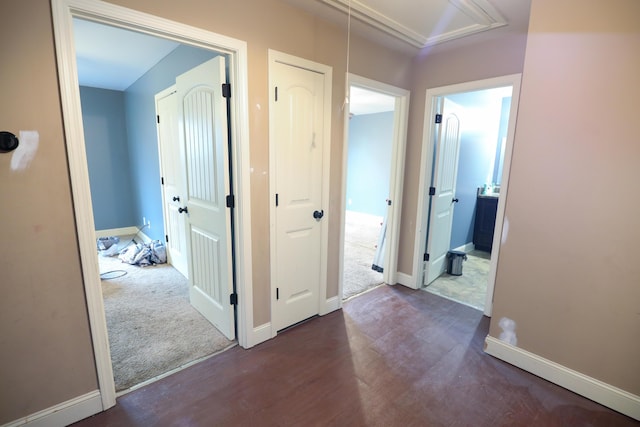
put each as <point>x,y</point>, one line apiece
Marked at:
<point>63,12</point>
<point>325,305</point>
<point>426,166</point>
<point>396,181</point>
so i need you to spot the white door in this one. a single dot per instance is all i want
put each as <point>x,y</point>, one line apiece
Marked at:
<point>174,186</point>
<point>203,129</point>
<point>298,115</point>
<point>444,181</point>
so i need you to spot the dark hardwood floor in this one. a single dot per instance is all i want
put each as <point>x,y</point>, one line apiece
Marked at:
<point>391,357</point>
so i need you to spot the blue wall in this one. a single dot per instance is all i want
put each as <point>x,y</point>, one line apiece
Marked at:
<point>502,134</point>
<point>479,136</point>
<point>107,157</point>
<point>122,145</point>
<point>141,130</point>
<point>369,162</point>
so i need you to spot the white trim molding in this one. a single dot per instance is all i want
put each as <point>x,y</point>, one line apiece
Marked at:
<point>591,388</point>
<point>331,304</point>
<point>466,248</point>
<point>123,231</point>
<point>63,414</point>
<point>481,12</point>
<point>262,333</point>
<point>406,280</point>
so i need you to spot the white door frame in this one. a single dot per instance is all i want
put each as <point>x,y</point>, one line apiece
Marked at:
<point>63,13</point>
<point>426,165</point>
<point>325,305</point>
<point>399,144</point>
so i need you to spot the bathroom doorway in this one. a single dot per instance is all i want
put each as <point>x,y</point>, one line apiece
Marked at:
<point>459,180</point>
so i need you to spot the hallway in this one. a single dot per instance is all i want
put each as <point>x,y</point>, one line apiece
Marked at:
<point>392,357</point>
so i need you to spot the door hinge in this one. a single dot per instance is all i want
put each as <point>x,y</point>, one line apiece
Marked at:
<point>276,93</point>
<point>276,199</point>
<point>425,257</point>
<point>233,299</point>
<point>438,118</point>
<point>277,293</point>
<point>158,118</point>
<point>388,202</point>
<point>226,90</point>
<point>162,180</point>
<point>432,191</point>
<point>166,238</point>
<point>231,202</point>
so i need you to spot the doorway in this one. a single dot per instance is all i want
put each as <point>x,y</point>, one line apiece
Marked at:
<point>64,12</point>
<point>148,308</point>
<point>486,111</point>
<point>373,169</point>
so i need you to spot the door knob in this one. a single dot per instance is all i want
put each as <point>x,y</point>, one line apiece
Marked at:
<point>176,198</point>
<point>318,214</point>
<point>181,210</point>
<point>454,201</point>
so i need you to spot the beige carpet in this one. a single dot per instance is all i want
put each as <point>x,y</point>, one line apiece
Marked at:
<point>360,239</point>
<point>470,288</point>
<point>152,327</point>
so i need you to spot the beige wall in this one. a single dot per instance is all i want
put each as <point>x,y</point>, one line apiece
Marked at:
<point>579,229</point>
<point>498,56</point>
<point>45,346</point>
<point>271,24</point>
<point>568,272</point>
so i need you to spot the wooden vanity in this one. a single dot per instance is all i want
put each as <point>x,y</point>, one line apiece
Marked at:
<point>485,221</point>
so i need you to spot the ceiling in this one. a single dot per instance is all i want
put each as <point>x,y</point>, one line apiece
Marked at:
<point>414,25</point>
<point>363,101</point>
<point>113,58</point>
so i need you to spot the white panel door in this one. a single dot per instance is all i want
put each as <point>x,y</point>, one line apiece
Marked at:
<point>298,137</point>
<point>203,128</point>
<point>444,181</point>
<point>174,188</point>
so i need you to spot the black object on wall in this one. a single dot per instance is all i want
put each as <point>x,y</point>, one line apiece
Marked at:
<point>8,142</point>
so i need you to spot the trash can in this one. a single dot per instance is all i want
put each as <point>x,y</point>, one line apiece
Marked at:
<point>454,262</point>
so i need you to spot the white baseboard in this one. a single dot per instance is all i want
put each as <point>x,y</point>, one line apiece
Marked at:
<point>261,334</point>
<point>466,248</point>
<point>145,239</point>
<point>64,413</point>
<point>406,280</point>
<point>591,388</point>
<point>331,304</point>
<point>124,231</point>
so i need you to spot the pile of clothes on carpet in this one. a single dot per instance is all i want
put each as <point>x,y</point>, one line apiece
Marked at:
<point>141,254</point>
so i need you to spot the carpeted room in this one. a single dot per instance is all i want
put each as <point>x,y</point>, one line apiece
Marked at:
<point>152,328</point>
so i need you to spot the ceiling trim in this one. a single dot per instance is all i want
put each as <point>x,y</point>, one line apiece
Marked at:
<point>486,17</point>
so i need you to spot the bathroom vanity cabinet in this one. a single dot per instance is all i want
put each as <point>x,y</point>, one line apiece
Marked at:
<point>485,221</point>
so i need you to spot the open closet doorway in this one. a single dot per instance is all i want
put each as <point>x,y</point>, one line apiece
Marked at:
<point>237,158</point>
<point>465,164</point>
<point>375,139</point>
